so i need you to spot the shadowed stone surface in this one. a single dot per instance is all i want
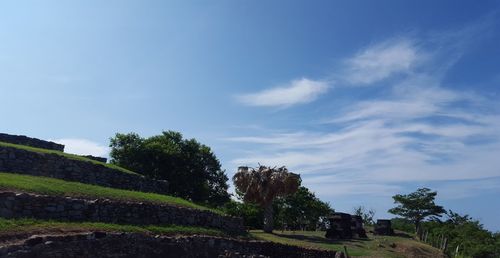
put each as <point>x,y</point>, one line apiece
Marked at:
<point>28,141</point>
<point>22,205</point>
<point>100,244</point>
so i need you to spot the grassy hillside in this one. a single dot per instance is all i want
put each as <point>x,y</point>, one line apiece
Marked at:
<point>375,246</point>
<point>9,227</point>
<point>57,187</point>
<point>66,155</point>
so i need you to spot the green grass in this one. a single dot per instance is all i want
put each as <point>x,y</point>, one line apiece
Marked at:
<point>308,239</point>
<point>32,226</point>
<point>66,155</point>
<point>374,246</point>
<point>57,187</point>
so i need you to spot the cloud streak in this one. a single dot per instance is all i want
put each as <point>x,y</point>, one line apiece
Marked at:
<point>373,64</point>
<point>381,61</point>
<point>430,138</point>
<point>296,92</point>
<point>418,131</point>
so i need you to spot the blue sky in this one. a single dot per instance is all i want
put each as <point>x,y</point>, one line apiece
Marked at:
<point>365,99</point>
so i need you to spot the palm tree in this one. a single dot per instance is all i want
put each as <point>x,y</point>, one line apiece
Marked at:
<point>262,185</point>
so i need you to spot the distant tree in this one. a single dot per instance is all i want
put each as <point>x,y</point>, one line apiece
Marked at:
<point>403,225</point>
<point>464,232</point>
<point>457,219</point>
<point>417,206</point>
<point>263,185</point>
<point>301,210</point>
<point>191,168</point>
<point>366,214</point>
<point>252,214</point>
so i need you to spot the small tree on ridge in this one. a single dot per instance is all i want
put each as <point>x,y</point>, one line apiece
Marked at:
<point>417,206</point>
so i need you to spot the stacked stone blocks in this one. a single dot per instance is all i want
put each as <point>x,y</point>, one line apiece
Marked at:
<point>19,205</point>
<point>26,162</point>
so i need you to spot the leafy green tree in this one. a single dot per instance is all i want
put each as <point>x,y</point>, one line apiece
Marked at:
<point>191,168</point>
<point>417,206</point>
<point>252,214</point>
<point>301,210</point>
<point>496,249</point>
<point>403,225</point>
<point>366,214</point>
<point>262,185</point>
<point>463,232</point>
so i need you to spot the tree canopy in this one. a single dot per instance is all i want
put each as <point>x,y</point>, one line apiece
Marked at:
<point>301,210</point>
<point>191,168</point>
<point>366,214</point>
<point>417,206</point>
<point>463,234</point>
<point>263,185</point>
<point>252,214</point>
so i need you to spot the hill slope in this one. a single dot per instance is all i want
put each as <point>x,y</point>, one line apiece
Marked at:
<point>375,246</point>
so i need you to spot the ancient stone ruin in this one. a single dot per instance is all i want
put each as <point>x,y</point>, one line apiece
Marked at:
<point>34,161</point>
<point>32,142</point>
<point>100,244</point>
<point>56,165</point>
<point>345,226</point>
<point>383,227</point>
<point>357,227</point>
<point>340,226</point>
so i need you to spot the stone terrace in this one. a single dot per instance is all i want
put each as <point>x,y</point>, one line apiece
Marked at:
<point>99,244</point>
<point>20,205</point>
<point>26,162</point>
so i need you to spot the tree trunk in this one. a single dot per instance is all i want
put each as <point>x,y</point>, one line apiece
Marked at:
<point>417,226</point>
<point>268,218</point>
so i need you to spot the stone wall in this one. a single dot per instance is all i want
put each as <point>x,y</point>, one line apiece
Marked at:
<point>56,166</point>
<point>33,142</point>
<point>100,244</point>
<point>19,205</point>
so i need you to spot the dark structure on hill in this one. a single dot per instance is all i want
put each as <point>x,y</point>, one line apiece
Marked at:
<point>357,227</point>
<point>383,227</point>
<point>345,226</point>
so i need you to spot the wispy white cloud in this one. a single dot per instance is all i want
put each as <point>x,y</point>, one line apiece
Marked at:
<point>380,61</point>
<point>370,65</point>
<point>393,140</point>
<point>415,131</point>
<point>296,92</point>
<point>83,147</point>
<point>418,61</point>
<point>418,131</point>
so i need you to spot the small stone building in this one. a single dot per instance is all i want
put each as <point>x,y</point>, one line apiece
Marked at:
<point>340,226</point>
<point>383,227</point>
<point>357,227</point>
